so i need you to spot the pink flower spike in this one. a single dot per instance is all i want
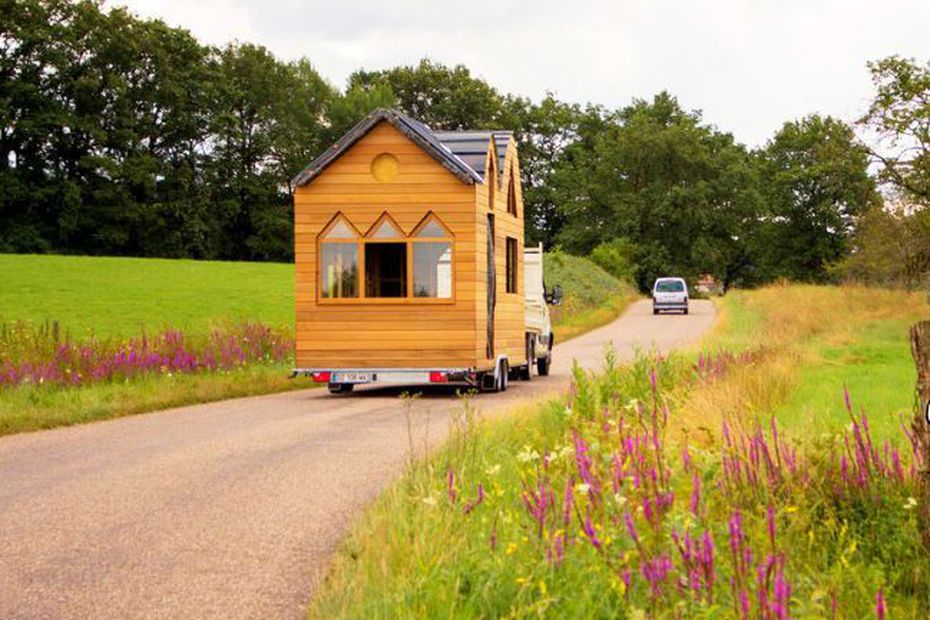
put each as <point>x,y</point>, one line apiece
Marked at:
<point>880,608</point>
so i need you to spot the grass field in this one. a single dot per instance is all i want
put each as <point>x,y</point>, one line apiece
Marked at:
<point>820,341</point>
<point>538,518</point>
<point>120,297</point>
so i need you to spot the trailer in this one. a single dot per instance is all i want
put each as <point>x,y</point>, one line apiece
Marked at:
<point>410,266</point>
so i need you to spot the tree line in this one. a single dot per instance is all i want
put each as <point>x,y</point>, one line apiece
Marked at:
<point>124,136</point>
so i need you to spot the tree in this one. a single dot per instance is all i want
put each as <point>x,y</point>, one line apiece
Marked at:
<point>816,186</point>
<point>356,103</point>
<point>442,97</point>
<point>890,247</point>
<point>900,115</point>
<point>683,193</point>
<point>265,127</point>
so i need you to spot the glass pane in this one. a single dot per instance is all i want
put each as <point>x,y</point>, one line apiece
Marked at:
<point>339,268</point>
<point>432,270</point>
<point>670,286</point>
<point>340,230</point>
<point>511,265</point>
<point>386,230</point>
<point>385,270</point>
<point>432,229</point>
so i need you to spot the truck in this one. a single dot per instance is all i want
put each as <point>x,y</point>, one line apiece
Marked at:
<point>410,265</point>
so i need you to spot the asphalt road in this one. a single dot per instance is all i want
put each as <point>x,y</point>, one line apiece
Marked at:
<point>230,509</point>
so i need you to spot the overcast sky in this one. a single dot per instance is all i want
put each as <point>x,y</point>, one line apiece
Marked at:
<point>748,65</point>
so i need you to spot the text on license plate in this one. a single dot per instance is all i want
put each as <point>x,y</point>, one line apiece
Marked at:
<point>351,377</point>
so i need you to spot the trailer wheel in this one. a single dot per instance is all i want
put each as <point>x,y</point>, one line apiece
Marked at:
<point>504,377</point>
<point>340,388</point>
<point>543,363</point>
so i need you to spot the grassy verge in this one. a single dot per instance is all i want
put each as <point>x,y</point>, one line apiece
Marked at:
<point>592,297</point>
<point>818,341</point>
<point>565,512</point>
<point>30,408</point>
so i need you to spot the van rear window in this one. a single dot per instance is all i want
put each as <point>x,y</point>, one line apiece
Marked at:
<point>670,286</point>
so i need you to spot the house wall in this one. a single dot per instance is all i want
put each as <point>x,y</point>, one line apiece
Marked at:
<point>407,333</point>
<point>509,324</point>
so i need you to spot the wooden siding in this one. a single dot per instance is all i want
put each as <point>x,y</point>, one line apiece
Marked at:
<point>407,333</point>
<point>509,323</point>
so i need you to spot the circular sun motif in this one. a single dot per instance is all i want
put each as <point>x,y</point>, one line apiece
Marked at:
<point>384,167</point>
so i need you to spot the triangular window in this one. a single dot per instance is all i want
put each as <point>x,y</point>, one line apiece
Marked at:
<point>340,229</point>
<point>385,229</point>
<point>432,227</point>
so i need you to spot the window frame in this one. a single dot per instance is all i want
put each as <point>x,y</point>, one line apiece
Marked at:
<point>362,240</point>
<point>321,240</point>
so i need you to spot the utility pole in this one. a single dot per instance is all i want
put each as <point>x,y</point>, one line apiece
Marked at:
<point>920,349</point>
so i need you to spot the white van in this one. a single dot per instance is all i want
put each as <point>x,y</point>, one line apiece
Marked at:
<point>670,294</point>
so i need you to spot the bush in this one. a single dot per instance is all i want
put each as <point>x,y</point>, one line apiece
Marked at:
<point>616,258</point>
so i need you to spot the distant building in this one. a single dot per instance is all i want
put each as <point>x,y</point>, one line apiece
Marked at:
<point>708,285</point>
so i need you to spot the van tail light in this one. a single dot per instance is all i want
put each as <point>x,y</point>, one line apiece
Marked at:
<point>438,377</point>
<point>322,376</point>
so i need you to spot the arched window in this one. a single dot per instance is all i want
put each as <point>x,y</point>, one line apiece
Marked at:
<point>385,259</point>
<point>512,193</point>
<point>432,259</point>
<point>491,175</point>
<point>339,249</point>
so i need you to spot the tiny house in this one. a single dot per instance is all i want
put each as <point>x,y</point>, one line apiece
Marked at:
<point>408,256</point>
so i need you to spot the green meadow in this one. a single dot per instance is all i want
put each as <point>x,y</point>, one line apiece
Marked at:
<point>122,297</point>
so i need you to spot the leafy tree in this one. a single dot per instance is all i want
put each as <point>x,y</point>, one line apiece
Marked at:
<point>816,185</point>
<point>682,192</point>
<point>900,115</point>
<point>442,97</point>
<point>355,104</point>
<point>891,247</point>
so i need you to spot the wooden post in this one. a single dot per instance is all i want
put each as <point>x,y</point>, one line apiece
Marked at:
<point>920,349</point>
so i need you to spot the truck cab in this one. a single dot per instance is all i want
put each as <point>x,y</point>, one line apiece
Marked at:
<point>537,298</point>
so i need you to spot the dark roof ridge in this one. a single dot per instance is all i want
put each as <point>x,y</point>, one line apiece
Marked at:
<point>416,131</point>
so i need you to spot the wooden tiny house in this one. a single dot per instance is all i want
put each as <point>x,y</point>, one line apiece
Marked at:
<point>408,252</point>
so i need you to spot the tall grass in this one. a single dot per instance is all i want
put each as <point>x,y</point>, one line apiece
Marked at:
<point>48,379</point>
<point>811,335</point>
<point>667,489</point>
<point>591,510</point>
<point>42,356</point>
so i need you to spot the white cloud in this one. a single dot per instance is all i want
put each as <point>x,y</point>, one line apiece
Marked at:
<point>748,64</point>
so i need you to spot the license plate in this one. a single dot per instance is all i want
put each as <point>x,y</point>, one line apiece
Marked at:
<point>351,377</point>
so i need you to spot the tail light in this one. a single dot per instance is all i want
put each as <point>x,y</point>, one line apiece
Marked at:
<point>438,377</point>
<point>322,376</point>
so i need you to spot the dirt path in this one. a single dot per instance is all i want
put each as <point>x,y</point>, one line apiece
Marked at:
<point>229,509</point>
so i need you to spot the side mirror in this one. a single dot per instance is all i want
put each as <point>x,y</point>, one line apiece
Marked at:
<point>554,296</point>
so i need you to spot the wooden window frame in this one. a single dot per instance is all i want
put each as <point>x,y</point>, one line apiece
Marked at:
<point>408,239</point>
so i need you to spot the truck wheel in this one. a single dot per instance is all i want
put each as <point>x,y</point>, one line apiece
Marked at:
<point>340,388</point>
<point>686,311</point>
<point>504,380</point>
<point>542,364</point>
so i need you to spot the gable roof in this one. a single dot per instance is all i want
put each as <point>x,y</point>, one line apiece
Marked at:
<point>462,153</point>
